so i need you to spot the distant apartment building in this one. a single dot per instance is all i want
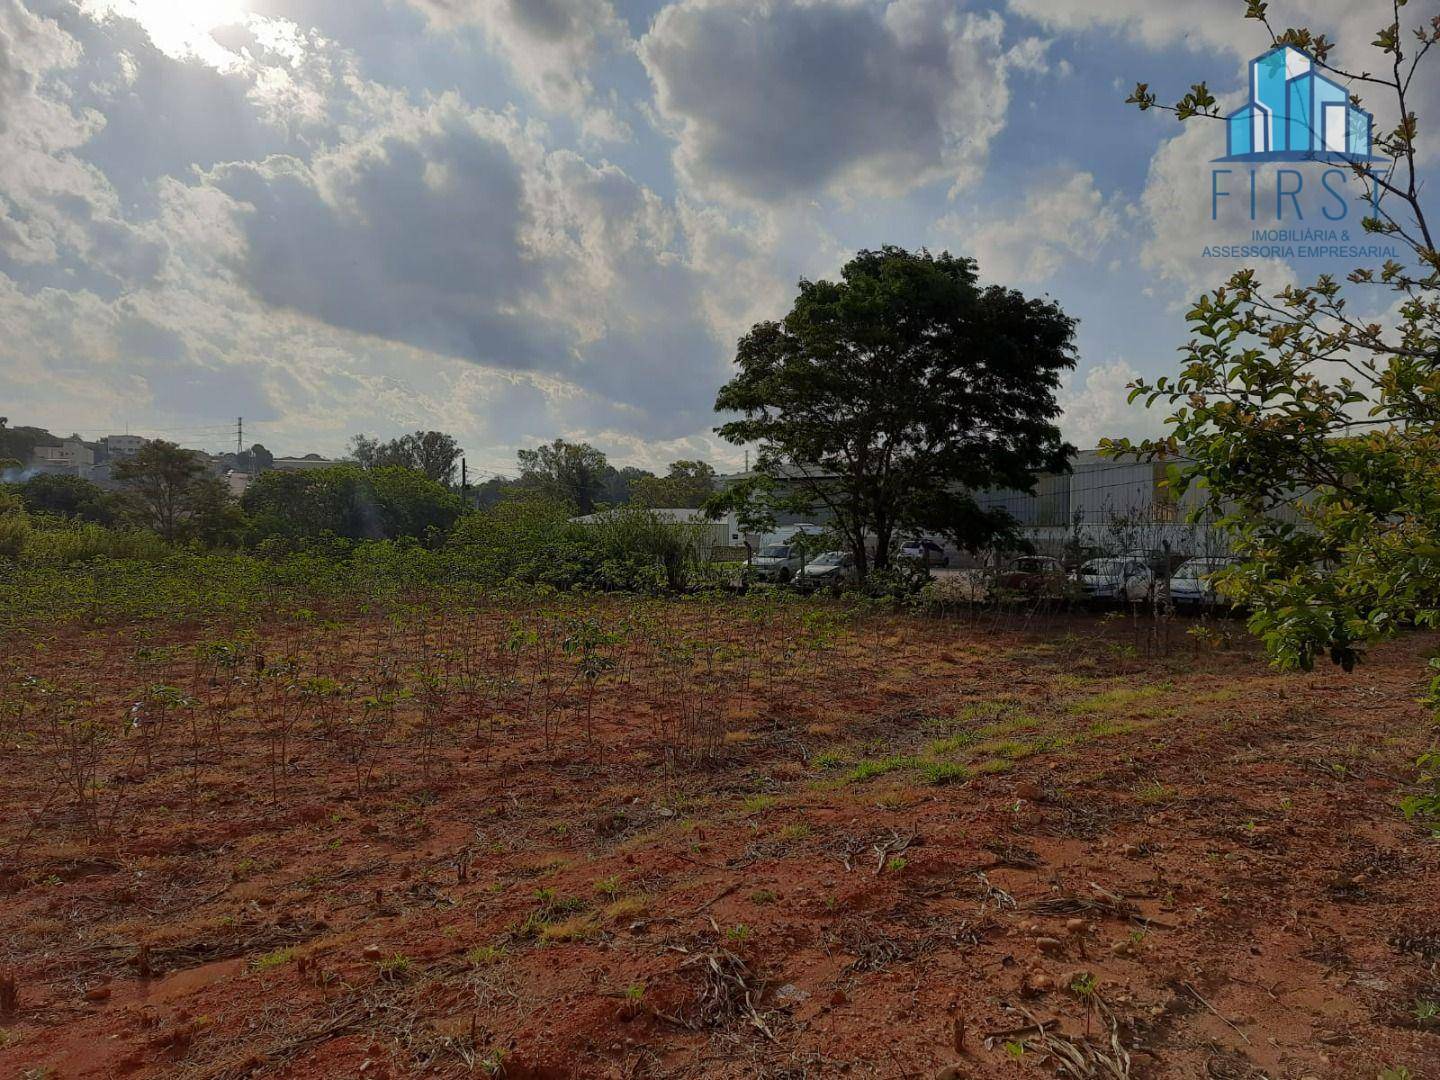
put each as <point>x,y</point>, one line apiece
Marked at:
<point>72,456</point>
<point>120,447</point>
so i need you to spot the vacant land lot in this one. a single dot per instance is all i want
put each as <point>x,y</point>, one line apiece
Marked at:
<point>734,839</point>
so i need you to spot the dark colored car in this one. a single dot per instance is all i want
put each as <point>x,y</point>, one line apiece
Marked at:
<point>1034,575</point>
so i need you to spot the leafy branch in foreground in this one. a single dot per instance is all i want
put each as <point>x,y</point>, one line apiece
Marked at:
<point>1313,431</point>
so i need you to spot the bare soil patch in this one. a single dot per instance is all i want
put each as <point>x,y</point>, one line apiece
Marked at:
<point>739,843</point>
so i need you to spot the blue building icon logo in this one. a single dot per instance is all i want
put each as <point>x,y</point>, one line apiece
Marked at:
<point>1296,114</point>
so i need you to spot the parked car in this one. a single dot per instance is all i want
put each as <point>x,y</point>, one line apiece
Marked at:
<point>1192,585</point>
<point>1127,580</point>
<point>1077,555</point>
<point>1035,576</point>
<point>924,551</point>
<point>776,562</point>
<point>830,570</point>
<point>1161,561</point>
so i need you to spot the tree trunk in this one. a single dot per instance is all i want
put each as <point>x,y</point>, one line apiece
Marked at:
<point>883,533</point>
<point>862,560</point>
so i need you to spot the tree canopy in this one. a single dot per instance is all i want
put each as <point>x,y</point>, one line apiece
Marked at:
<point>66,496</point>
<point>255,461</point>
<point>575,473</point>
<point>433,453</point>
<point>687,484</point>
<point>170,490</point>
<point>892,395</point>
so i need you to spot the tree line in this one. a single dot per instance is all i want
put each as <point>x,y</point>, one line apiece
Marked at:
<point>405,487</point>
<point>881,403</point>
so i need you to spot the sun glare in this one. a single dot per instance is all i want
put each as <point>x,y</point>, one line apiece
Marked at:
<point>180,28</point>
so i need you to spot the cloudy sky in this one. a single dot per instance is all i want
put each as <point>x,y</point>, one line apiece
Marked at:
<point>516,219</point>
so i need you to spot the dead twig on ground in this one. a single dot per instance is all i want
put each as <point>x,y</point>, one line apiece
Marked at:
<point>992,892</point>
<point>708,904</point>
<point>852,847</point>
<point>729,991</point>
<point>1079,1058</point>
<point>891,848</point>
<point>1012,855</point>
<point>1216,1012</point>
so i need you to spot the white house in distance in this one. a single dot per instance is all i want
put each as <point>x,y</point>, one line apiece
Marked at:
<point>120,447</point>
<point>72,456</point>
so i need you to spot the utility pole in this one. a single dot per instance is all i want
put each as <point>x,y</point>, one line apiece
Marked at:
<point>464,482</point>
<point>239,436</point>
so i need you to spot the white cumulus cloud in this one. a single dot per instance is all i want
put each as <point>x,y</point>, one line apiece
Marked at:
<point>1062,219</point>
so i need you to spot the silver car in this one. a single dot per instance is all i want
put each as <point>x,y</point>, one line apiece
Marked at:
<point>1193,584</point>
<point>832,569</point>
<point>1123,581</point>
<point>776,562</point>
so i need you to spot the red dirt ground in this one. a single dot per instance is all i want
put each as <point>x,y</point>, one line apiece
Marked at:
<point>1187,861</point>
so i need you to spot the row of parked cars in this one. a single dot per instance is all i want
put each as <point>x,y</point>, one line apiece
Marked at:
<point>1130,578</point>
<point>781,564</point>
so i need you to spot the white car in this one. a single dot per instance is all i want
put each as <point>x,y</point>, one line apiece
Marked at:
<point>925,551</point>
<point>1125,581</point>
<point>834,568</point>
<point>1192,585</point>
<point>776,562</point>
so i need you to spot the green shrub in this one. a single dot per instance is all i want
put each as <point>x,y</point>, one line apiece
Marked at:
<point>349,503</point>
<point>69,543</point>
<point>531,540</point>
<point>14,535</point>
<point>901,581</point>
<point>633,536</point>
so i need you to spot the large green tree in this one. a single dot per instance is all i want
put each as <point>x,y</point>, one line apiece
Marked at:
<point>576,473</point>
<point>1309,416</point>
<point>171,490</point>
<point>255,461</point>
<point>621,485</point>
<point>433,453</point>
<point>687,484</point>
<point>890,396</point>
